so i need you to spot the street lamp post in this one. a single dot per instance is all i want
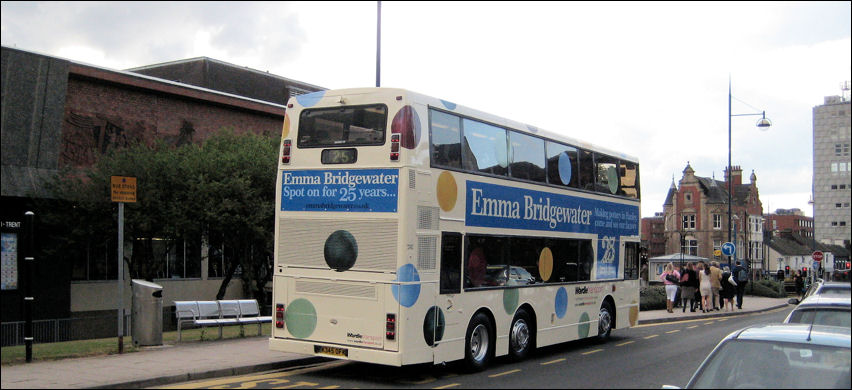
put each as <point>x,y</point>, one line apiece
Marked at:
<point>762,124</point>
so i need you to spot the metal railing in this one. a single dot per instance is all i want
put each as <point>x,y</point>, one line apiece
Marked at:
<point>62,329</point>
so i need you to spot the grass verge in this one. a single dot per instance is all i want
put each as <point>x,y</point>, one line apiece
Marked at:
<point>109,346</point>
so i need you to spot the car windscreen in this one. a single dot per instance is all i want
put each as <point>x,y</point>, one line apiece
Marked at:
<point>343,126</point>
<point>751,364</point>
<point>822,316</point>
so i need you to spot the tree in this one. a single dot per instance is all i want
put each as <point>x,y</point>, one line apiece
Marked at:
<point>224,187</point>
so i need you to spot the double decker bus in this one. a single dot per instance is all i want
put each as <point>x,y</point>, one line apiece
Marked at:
<point>410,229</point>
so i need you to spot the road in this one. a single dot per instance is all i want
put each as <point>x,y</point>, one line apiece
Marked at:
<point>646,356</point>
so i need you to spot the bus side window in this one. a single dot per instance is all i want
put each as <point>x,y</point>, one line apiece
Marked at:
<point>445,132</point>
<point>631,260</point>
<point>451,252</point>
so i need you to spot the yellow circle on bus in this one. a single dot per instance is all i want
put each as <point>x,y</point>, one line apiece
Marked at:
<point>447,191</point>
<point>286,130</point>
<point>545,264</point>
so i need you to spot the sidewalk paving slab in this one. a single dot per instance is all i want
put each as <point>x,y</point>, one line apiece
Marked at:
<point>158,366</point>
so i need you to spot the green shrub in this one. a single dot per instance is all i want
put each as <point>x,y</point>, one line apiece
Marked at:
<point>766,288</point>
<point>652,297</point>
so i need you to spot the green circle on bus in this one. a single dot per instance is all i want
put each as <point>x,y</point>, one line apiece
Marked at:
<point>301,318</point>
<point>510,300</point>
<point>583,328</point>
<point>612,178</point>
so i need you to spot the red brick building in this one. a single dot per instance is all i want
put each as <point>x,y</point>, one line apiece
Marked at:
<point>788,222</point>
<point>695,215</point>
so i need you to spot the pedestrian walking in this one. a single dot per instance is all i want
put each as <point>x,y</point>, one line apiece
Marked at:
<point>741,277</point>
<point>704,287</point>
<point>686,290</point>
<point>715,285</point>
<point>670,279</point>
<point>728,288</point>
<point>800,284</point>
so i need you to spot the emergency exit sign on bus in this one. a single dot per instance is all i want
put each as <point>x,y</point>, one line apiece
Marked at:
<point>123,189</point>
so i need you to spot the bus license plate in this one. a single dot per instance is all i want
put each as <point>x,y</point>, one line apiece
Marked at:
<point>339,352</point>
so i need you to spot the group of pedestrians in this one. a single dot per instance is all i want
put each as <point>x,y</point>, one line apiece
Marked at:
<point>701,286</point>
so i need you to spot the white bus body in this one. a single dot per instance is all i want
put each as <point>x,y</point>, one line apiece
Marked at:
<point>404,235</point>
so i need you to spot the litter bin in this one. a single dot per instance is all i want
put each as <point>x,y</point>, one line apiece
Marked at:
<point>147,313</point>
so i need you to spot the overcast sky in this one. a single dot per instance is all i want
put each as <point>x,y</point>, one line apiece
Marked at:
<point>647,79</point>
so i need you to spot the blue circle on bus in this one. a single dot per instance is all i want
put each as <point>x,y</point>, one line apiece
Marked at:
<point>561,302</point>
<point>309,99</point>
<point>406,294</point>
<point>564,168</point>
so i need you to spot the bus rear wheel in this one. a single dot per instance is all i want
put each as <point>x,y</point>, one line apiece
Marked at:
<point>479,349</point>
<point>521,336</point>
<point>605,322</point>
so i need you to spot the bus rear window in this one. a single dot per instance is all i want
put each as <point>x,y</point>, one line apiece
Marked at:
<point>343,126</point>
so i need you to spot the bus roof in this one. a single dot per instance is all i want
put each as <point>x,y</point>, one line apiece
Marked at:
<point>474,113</point>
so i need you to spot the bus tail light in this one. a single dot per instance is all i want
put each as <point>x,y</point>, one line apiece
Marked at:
<point>390,328</point>
<point>279,315</point>
<point>394,156</point>
<point>285,153</point>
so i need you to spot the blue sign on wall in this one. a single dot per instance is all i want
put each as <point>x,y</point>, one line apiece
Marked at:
<point>352,190</point>
<point>491,205</point>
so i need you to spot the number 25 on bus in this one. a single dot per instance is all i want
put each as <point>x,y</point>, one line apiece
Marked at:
<point>411,229</point>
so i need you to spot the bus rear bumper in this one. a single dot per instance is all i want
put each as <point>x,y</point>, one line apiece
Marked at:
<point>388,358</point>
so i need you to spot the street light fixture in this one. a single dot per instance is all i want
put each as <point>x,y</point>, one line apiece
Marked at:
<point>762,124</point>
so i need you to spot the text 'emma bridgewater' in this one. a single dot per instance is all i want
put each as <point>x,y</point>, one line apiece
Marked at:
<point>533,210</point>
<point>338,178</point>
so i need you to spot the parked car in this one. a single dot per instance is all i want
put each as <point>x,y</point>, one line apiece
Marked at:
<point>822,310</point>
<point>822,287</point>
<point>794,356</point>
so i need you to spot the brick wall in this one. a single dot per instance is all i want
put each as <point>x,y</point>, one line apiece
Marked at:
<point>101,116</point>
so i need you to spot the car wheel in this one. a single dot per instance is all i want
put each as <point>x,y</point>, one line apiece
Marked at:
<point>605,324</point>
<point>521,336</point>
<point>479,349</point>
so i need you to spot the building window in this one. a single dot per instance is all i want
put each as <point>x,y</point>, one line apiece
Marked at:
<point>690,247</point>
<point>689,222</point>
<point>717,221</point>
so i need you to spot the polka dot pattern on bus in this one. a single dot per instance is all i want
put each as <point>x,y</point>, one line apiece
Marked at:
<point>448,105</point>
<point>447,191</point>
<point>286,130</point>
<point>510,300</point>
<point>301,318</point>
<point>406,122</point>
<point>583,328</point>
<point>545,264</point>
<point>561,303</point>
<point>433,325</point>
<point>564,167</point>
<point>406,294</point>
<point>340,251</point>
<point>310,99</point>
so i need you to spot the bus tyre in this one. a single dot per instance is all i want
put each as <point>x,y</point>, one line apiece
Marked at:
<point>605,321</point>
<point>521,336</point>
<point>479,348</point>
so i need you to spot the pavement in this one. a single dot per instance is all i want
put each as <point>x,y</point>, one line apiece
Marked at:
<point>181,362</point>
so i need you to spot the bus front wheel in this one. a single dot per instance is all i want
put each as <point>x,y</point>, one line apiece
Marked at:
<point>479,349</point>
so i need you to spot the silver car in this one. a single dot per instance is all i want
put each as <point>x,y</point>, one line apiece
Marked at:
<point>792,356</point>
<point>822,310</point>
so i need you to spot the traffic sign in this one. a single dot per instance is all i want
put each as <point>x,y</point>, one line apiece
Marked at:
<point>728,249</point>
<point>818,256</point>
<point>717,253</point>
<point>123,189</point>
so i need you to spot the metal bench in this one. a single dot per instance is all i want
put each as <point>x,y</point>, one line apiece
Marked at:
<point>219,313</point>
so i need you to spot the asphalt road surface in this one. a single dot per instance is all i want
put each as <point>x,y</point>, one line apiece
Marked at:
<point>643,357</point>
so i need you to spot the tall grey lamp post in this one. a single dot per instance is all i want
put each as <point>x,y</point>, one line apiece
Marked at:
<point>762,124</point>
